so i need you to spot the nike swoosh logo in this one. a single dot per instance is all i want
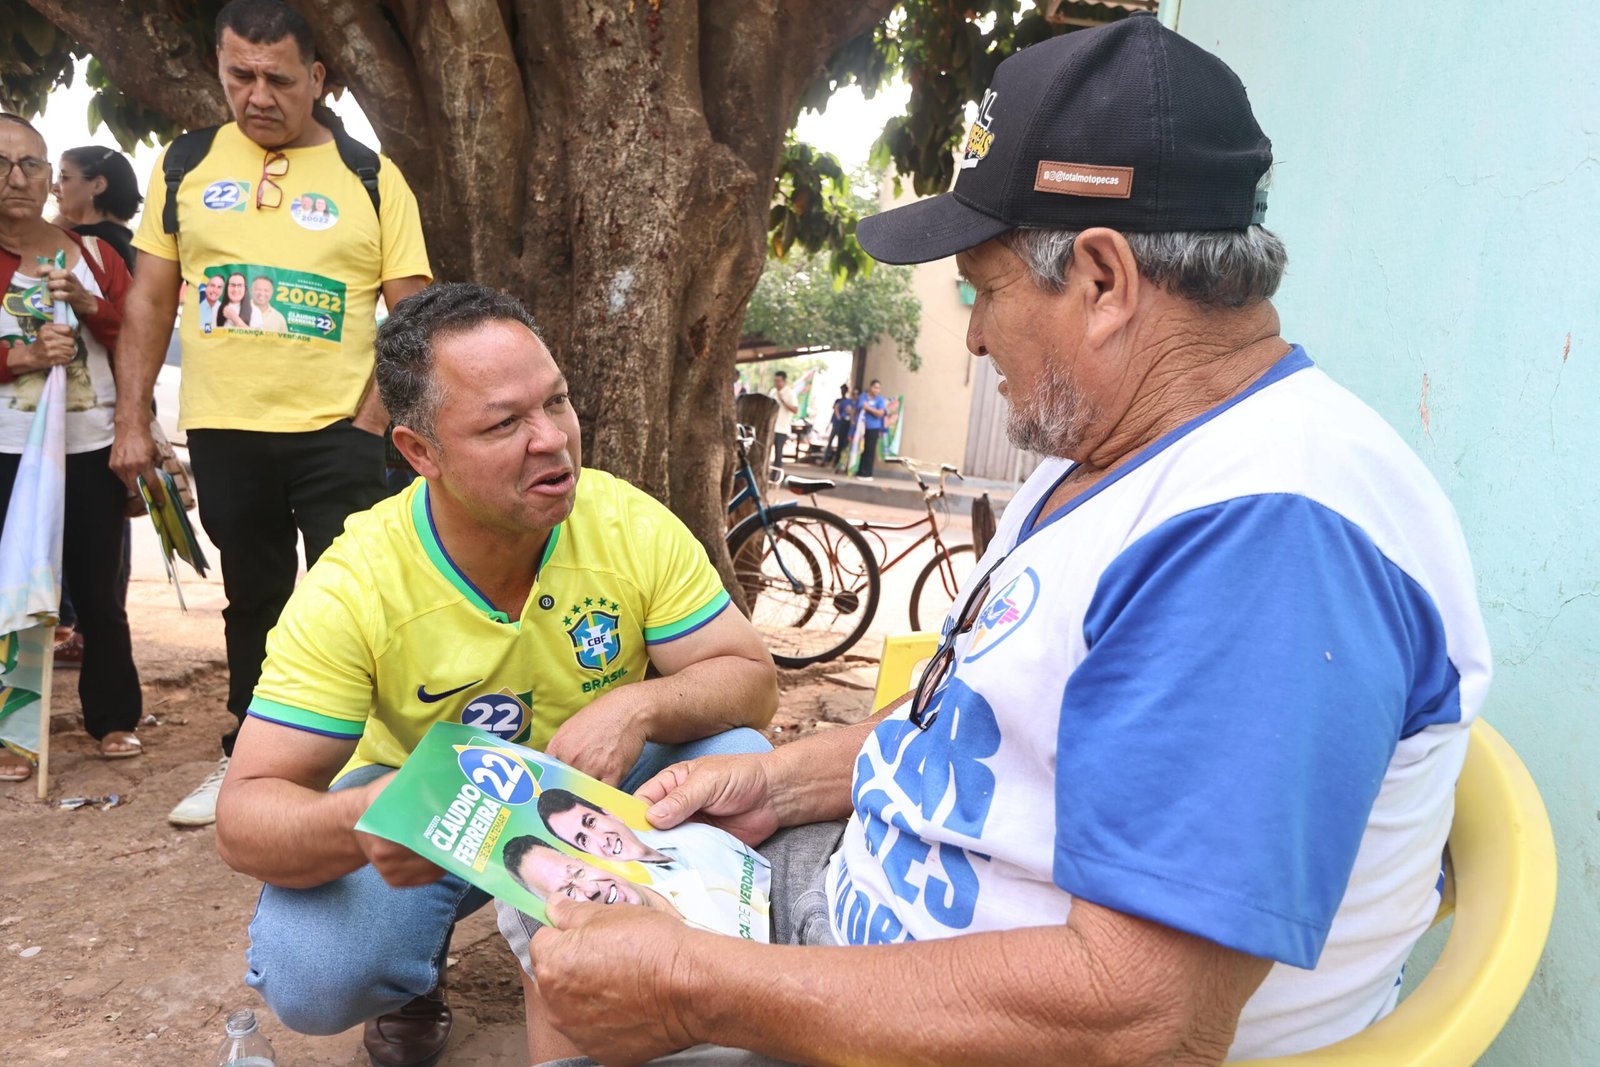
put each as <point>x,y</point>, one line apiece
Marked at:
<point>433,698</point>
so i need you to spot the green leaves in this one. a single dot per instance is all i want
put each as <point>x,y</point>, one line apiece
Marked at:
<point>947,51</point>
<point>814,209</point>
<point>35,58</point>
<point>805,301</point>
<point>128,122</point>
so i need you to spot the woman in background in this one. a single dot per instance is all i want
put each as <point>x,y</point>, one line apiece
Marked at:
<point>97,194</point>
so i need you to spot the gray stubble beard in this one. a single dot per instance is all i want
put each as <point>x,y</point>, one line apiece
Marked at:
<point>1055,415</point>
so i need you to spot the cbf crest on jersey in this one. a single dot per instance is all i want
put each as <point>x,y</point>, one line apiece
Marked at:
<point>594,628</point>
<point>981,137</point>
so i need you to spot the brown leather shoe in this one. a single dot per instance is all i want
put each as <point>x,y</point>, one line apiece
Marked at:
<point>414,1036</point>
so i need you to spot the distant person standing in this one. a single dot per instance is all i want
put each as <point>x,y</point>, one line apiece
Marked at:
<point>97,194</point>
<point>787,406</point>
<point>844,418</point>
<point>285,430</point>
<point>874,406</point>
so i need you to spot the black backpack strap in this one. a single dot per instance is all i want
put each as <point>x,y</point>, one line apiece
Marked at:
<point>360,160</point>
<point>183,155</point>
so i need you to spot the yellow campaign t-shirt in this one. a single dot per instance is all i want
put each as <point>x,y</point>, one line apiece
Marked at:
<point>278,320</point>
<point>385,636</point>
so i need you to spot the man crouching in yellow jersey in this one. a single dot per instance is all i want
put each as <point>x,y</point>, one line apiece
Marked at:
<point>507,588</point>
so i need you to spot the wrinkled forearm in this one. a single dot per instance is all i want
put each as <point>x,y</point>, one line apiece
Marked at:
<point>810,778</point>
<point>287,835</point>
<point>1020,996</point>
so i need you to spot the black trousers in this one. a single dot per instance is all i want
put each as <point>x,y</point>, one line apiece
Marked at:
<point>91,555</point>
<point>258,491</point>
<point>869,452</point>
<point>838,443</point>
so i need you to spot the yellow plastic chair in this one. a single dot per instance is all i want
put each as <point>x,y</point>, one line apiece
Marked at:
<point>901,654</point>
<point>1504,861</point>
<point>1503,893</point>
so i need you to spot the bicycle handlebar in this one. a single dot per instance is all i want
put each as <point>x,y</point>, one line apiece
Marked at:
<point>945,471</point>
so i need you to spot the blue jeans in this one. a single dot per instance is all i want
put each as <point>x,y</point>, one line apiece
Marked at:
<point>329,958</point>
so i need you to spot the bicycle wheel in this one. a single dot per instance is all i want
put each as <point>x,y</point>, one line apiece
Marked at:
<point>938,584</point>
<point>812,585</point>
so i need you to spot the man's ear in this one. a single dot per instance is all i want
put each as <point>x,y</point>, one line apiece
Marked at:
<point>422,454</point>
<point>1104,271</point>
<point>319,76</point>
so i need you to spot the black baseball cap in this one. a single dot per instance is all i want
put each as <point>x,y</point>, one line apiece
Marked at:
<point>1127,125</point>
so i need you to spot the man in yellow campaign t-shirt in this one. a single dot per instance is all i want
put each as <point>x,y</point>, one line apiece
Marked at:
<point>510,589</point>
<point>284,256</point>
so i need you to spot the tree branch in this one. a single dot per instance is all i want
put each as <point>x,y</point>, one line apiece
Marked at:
<point>467,73</point>
<point>758,57</point>
<point>148,56</point>
<point>369,56</point>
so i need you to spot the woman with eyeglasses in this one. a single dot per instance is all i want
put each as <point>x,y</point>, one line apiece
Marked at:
<point>97,194</point>
<point>92,283</point>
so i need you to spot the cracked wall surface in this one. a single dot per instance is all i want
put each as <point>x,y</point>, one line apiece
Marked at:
<point>1436,183</point>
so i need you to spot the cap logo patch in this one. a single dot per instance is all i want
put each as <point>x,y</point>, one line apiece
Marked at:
<point>1081,179</point>
<point>981,137</point>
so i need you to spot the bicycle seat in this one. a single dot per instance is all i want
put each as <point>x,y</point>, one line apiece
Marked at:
<point>807,486</point>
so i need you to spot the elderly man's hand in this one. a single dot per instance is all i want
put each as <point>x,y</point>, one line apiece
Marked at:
<point>603,740</point>
<point>607,976</point>
<point>733,792</point>
<point>398,865</point>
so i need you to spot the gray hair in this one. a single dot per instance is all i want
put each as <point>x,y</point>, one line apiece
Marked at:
<point>406,382</point>
<point>1217,268</point>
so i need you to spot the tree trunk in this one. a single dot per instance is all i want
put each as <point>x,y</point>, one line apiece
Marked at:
<point>611,162</point>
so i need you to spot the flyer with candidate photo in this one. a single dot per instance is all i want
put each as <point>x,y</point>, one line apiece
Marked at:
<point>523,827</point>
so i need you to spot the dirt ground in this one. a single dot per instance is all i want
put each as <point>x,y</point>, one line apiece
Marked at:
<point>122,938</point>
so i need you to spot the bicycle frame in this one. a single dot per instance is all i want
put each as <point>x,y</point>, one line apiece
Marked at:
<point>930,520</point>
<point>750,492</point>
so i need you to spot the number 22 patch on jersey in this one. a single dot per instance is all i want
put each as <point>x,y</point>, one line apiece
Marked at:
<point>504,714</point>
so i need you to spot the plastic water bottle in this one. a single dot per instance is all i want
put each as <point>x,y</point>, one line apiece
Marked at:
<point>245,1046</point>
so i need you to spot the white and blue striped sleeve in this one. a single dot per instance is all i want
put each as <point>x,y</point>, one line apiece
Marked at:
<point>1251,667</point>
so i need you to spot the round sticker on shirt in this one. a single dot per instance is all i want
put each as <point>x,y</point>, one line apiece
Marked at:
<point>499,713</point>
<point>501,775</point>
<point>1004,612</point>
<point>226,195</point>
<point>314,211</point>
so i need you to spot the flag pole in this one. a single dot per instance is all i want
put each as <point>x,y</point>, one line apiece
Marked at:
<point>47,680</point>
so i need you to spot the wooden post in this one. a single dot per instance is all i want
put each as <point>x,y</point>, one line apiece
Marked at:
<point>47,634</point>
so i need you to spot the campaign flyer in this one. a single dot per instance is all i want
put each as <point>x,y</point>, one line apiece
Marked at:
<point>523,827</point>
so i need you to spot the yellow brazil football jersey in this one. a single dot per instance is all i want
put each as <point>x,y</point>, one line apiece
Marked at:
<point>384,637</point>
<point>278,319</point>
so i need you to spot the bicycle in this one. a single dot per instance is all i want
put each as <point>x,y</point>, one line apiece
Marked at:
<point>941,577</point>
<point>809,578</point>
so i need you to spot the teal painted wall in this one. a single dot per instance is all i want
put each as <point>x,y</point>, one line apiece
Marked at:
<point>1437,183</point>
